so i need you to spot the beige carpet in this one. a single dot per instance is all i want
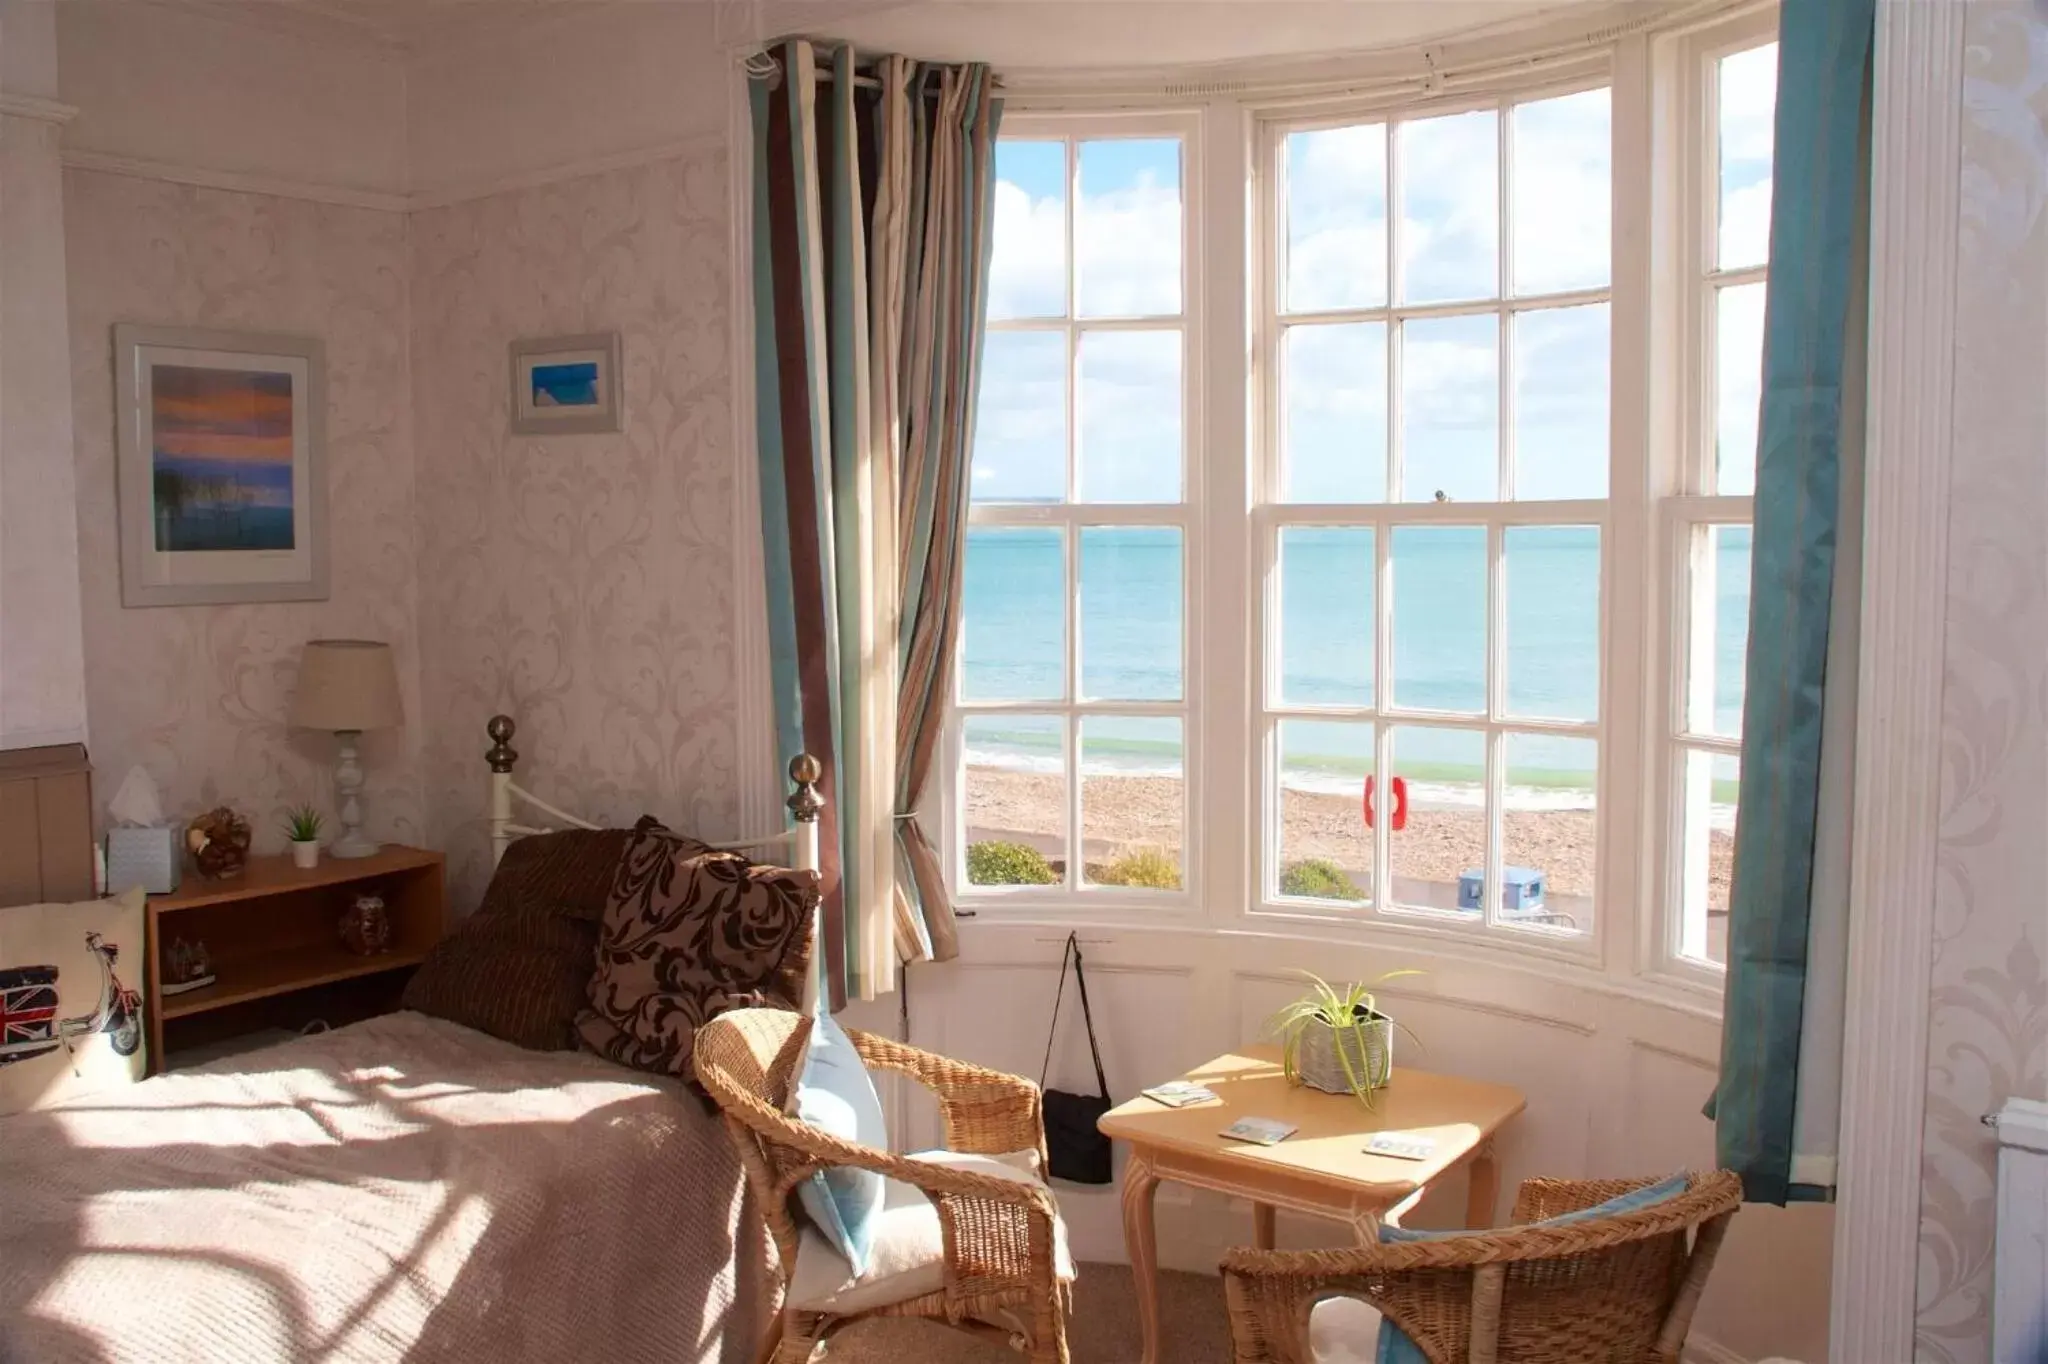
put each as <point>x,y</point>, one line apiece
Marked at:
<point>1104,1329</point>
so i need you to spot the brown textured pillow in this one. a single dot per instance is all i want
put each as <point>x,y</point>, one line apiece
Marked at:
<point>687,935</point>
<point>518,967</point>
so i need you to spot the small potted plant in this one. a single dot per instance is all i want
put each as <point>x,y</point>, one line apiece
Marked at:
<point>1336,1040</point>
<point>302,824</point>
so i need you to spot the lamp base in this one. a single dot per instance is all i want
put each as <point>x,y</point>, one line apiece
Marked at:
<point>348,784</point>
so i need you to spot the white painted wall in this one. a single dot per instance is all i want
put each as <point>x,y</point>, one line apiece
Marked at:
<point>42,661</point>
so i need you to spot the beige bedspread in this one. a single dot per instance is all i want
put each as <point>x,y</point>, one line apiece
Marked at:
<point>404,1189</point>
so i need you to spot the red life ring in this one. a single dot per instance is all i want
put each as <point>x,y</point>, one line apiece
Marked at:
<point>1400,803</point>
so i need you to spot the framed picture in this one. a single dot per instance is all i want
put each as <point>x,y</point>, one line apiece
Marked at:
<point>220,480</point>
<point>566,384</point>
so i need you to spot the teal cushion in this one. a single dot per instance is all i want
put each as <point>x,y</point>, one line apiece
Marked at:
<point>837,1095</point>
<point>1397,1348</point>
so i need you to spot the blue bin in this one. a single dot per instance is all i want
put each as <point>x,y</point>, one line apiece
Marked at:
<point>1521,889</point>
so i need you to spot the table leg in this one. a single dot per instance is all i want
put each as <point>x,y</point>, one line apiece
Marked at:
<point>1482,1194</point>
<point>1262,1225</point>
<point>1141,1241</point>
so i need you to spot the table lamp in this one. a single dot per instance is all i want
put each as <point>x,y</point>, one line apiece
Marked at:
<point>347,686</point>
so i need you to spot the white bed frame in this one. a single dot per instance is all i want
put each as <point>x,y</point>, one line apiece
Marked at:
<point>801,840</point>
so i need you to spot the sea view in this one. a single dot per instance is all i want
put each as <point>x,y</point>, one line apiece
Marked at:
<point>1130,649</point>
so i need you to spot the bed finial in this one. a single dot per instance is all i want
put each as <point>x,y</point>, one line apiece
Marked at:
<point>501,755</point>
<point>805,802</point>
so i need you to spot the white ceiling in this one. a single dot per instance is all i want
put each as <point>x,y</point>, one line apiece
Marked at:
<point>1035,35</point>
<point>1042,35</point>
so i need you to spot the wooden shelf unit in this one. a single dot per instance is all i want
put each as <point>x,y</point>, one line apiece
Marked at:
<point>273,933</point>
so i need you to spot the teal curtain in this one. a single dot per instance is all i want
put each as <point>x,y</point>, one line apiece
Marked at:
<point>1809,430</point>
<point>873,197</point>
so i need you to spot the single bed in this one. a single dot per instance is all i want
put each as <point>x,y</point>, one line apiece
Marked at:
<point>404,1188</point>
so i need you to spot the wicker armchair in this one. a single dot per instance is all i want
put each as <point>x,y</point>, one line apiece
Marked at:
<point>1619,1289</point>
<point>1005,1266</point>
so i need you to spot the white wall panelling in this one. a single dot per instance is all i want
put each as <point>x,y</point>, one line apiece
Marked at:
<point>1615,1082</point>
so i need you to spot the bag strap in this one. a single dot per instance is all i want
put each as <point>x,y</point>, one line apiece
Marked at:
<point>1072,953</point>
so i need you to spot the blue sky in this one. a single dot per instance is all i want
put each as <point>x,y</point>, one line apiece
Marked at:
<point>1126,229</point>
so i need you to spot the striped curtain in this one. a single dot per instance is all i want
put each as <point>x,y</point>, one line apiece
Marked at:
<point>873,194</point>
<point>1776,1108</point>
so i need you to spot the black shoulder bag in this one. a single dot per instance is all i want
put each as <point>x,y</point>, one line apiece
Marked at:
<point>1078,1148</point>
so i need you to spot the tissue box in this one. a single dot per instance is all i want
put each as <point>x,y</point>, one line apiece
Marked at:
<point>148,856</point>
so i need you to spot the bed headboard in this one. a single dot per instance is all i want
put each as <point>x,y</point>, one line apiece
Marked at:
<point>804,804</point>
<point>801,839</point>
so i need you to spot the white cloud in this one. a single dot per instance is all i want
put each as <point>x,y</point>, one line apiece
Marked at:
<point>1128,242</point>
<point>1028,265</point>
<point>1562,176</point>
<point>1450,207</point>
<point>1738,371</point>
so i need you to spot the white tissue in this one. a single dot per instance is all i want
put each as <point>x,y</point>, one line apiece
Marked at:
<point>136,802</point>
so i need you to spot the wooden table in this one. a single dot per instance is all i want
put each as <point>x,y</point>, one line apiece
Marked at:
<point>1323,1169</point>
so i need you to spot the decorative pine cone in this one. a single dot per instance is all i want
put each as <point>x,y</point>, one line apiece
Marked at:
<point>219,840</point>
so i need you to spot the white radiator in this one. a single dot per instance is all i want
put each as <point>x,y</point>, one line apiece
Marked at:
<point>2020,1314</point>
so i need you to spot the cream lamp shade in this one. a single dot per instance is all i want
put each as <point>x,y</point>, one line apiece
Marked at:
<point>345,685</point>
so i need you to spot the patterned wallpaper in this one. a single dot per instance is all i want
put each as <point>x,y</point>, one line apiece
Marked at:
<point>198,694</point>
<point>1989,1027</point>
<point>582,584</point>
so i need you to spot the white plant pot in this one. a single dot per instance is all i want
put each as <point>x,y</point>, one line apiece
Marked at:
<point>1369,1048</point>
<point>306,855</point>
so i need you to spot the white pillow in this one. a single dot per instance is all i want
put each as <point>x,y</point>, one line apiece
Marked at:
<point>71,1012</point>
<point>836,1095</point>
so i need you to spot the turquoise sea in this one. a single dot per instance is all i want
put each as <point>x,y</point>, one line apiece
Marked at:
<point>1130,645</point>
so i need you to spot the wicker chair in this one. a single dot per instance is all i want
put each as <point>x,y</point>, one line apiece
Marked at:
<point>1619,1289</point>
<point>1006,1272</point>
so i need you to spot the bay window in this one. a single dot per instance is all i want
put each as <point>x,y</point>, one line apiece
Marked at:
<point>1501,352</point>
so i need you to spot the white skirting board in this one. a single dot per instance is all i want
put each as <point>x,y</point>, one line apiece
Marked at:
<point>2020,1312</point>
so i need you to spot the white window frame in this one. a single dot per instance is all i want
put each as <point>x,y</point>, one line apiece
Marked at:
<point>1270,515</point>
<point>1660,419</point>
<point>1074,896</point>
<point>1687,504</point>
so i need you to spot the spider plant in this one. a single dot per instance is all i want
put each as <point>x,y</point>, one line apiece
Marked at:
<point>302,824</point>
<point>1349,1014</point>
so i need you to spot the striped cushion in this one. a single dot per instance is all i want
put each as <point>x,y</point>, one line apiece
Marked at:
<point>517,968</point>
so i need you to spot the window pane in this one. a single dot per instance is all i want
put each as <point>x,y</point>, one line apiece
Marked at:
<point>1132,801</point>
<point>1027,274</point>
<point>1016,616</point>
<point>1016,799</point>
<point>1748,100</point>
<point>1337,218</point>
<point>1450,409</point>
<point>1325,848</point>
<point>1326,615</point>
<point>1720,631</point>
<point>1553,621</point>
<point>1127,232</point>
<point>1707,790</point>
<point>1563,153</point>
<point>1020,428</point>
<point>1333,437</point>
<point>1130,417</point>
<point>1130,613</point>
<point>1561,363</point>
<point>1738,386</point>
<point>1439,618</point>
<point>1450,208</point>
<point>1550,827</point>
<point>1442,850</point>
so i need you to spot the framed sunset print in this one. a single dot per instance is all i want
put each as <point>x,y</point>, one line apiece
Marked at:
<point>566,385</point>
<point>221,487</point>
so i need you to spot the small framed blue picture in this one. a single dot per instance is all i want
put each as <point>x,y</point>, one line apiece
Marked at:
<point>566,385</point>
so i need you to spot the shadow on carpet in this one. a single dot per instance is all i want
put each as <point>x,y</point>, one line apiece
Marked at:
<point>1103,1330</point>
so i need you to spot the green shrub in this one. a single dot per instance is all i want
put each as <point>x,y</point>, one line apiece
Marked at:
<point>1318,878</point>
<point>1008,864</point>
<point>1145,867</point>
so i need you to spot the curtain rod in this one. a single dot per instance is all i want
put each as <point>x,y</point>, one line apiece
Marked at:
<point>763,66</point>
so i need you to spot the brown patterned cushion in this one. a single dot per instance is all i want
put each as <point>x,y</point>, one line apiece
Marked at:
<point>517,968</point>
<point>688,935</point>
